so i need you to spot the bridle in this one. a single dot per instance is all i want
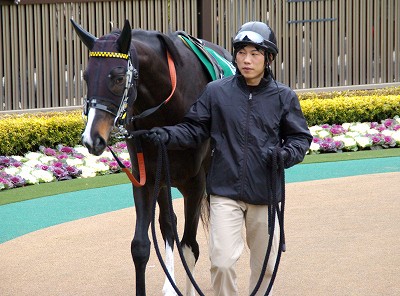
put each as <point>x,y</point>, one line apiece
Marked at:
<point>132,76</point>
<point>120,121</point>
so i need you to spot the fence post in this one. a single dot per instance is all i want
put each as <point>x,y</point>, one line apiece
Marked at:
<point>204,8</point>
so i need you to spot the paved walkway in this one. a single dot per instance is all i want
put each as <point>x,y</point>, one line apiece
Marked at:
<point>342,239</point>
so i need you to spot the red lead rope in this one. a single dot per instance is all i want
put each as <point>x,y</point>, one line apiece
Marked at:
<point>139,154</point>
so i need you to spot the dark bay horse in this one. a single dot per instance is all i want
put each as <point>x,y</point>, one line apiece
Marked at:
<point>128,70</point>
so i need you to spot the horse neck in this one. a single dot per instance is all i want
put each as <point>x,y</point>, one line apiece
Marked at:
<point>154,84</point>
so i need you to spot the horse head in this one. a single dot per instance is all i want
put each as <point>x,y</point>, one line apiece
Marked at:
<point>110,76</point>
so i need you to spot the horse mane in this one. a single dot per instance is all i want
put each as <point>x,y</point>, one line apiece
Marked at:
<point>167,41</point>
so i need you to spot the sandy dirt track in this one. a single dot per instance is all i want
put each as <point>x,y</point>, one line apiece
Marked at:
<point>343,238</point>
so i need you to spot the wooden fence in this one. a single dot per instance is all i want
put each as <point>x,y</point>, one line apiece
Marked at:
<point>322,43</point>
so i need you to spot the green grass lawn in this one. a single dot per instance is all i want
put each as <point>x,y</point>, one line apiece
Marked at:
<point>53,188</point>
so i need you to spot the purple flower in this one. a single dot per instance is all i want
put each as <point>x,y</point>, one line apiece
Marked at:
<point>57,164</point>
<point>103,160</point>
<point>7,183</point>
<point>337,129</point>
<point>5,161</point>
<point>326,126</point>
<point>380,128</point>
<point>127,163</point>
<point>60,173</point>
<point>65,149</point>
<point>49,152</point>
<point>16,164</point>
<point>339,145</point>
<point>389,122</point>
<point>373,124</point>
<point>114,165</point>
<point>62,156</point>
<point>18,181</point>
<point>73,171</point>
<point>376,139</point>
<point>78,155</point>
<point>43,167</point>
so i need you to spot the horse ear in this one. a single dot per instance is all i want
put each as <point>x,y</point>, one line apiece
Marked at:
<point>124,40</point>
<point>87,38</point>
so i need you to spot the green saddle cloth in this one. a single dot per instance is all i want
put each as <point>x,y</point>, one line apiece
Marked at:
<point>216,65</point>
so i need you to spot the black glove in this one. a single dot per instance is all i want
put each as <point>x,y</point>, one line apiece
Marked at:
<point>157,135</point>
<point>283,152</point>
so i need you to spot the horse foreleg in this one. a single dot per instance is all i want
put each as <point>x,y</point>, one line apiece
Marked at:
<point>140,246</point>
<point>168,237</point>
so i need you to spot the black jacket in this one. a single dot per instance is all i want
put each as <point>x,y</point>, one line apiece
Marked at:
<point>243,126</point>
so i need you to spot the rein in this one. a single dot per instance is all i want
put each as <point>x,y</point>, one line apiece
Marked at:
<point>128,135</point>
<point>172,74</point>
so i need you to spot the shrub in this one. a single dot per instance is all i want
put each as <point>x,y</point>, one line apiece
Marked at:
<point>350,109</point>
<point>22,133</point>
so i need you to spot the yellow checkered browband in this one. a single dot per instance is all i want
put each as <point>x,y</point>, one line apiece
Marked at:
<point>106,54</point>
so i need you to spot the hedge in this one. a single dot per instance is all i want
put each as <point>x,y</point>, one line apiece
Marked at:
<point>22,133</point>
<point>27,132</point>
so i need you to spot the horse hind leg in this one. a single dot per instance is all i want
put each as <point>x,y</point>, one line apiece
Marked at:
<point>168,237</point>
<point>194,195</point>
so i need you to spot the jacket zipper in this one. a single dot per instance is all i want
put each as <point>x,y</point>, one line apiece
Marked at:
<point>245,142</point>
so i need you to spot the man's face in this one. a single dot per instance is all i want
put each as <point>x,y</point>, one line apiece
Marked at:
<point>251,63</point>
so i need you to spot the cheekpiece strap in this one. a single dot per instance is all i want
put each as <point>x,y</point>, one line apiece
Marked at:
<point>106,54</point>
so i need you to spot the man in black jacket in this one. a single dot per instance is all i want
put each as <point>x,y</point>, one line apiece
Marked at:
<point>246,116</point>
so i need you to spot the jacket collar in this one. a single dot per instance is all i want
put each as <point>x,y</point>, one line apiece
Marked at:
<point>265,81</point>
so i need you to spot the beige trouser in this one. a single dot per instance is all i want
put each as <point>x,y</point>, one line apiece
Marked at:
<point>226,243</point>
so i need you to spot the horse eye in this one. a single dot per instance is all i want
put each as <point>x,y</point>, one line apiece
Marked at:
<point>119,80</point>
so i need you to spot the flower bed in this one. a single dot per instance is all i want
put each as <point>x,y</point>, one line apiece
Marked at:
<point>65,163</point>
<point>355,136</point>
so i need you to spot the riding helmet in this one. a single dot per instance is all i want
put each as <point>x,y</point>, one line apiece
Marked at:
<point>258,34</point>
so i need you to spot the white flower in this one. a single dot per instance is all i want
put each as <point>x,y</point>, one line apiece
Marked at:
<point>361,128</point>
<point>32,163</point>
<point>396,136</point>
<point>87,172</point>
<point>82,150</point>
<point>372,131</point>
<point>19,158</point>
<point>97,166</point>
<point>363,141</point>
<point>29,178</point>
<point>74,161</point>
<point>387,132</point>
<point>346,125</point>
<point>33,155</point>
<point>314,129</point>
<point>349,143</point>
<point>43,176</point>
<point>323,134</point>
<point>352,134</point>
<point>47,159</point>
<point>107,154</point>
<point>124,155</point>
<point>12,170</point>
<point>314,147</point>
